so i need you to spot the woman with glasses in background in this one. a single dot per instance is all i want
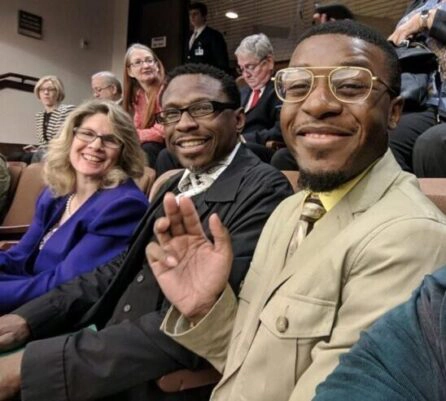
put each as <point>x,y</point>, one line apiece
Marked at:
<point>86,215</point>
<point>143,77</point>
<point>50,91</point>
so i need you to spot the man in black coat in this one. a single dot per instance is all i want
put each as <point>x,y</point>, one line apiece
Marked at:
<point>205,45</point>
<point>255,58</point>
<point>126,352</point>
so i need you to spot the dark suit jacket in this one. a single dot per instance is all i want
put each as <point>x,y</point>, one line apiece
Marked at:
<point>123,299</point>
<point>208,48</point>
<point>262,121</point>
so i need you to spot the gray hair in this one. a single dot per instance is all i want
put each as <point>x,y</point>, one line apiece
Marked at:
<point>259,45</point>
<point>110,80</point>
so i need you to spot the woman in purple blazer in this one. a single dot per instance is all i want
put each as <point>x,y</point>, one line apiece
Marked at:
<point>86,215</point>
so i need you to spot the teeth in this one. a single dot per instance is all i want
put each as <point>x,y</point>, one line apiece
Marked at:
<point>92,158</point>
<point>317,135</point>
<point>191,143</point>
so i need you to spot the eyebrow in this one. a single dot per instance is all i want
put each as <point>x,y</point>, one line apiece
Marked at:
<point>176,105</point>
<point>354,62</point>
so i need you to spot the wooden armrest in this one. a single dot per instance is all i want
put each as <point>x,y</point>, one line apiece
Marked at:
<point>14,229</point>
<point>5,245</point>
<point>12,232</point>
<point>186,379</point>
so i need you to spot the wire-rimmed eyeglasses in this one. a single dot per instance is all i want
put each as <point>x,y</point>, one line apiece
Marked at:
<point>348,84</point>
<point>140,63</point>
<point>87,135</point>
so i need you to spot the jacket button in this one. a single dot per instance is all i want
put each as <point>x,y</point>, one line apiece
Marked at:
<point>282,324</point>
<point>127,308</point>
<point>140,278</point>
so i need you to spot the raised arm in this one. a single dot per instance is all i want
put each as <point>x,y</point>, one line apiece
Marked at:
<point>191,270</point>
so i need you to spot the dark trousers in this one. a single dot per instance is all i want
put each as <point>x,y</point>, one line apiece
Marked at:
<point>284,160</point>
<point>429,153</point>
<point>402,139</point>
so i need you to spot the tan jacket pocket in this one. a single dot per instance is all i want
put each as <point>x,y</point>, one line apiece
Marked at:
<point>298,316</point>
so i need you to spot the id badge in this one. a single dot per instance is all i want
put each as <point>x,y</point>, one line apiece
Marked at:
<point>199,51</point>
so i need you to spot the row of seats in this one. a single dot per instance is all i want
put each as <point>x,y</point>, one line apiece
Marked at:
<point>27,183</point>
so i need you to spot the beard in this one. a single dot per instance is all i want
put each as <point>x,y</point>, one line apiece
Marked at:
<point>322,181</point>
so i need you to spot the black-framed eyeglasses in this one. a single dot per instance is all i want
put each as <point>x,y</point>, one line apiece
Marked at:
<point>347,84</point>
<point>249,67</point>
<point>140,63</point>
<point>195,110</point>
<point>110,141</point>
<point>99,90</point>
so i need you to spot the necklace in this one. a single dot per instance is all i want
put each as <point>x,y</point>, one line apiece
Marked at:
<point>68,204</point>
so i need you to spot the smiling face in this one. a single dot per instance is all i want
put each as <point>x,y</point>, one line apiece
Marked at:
<point>148,71</point>
<point>93,160</point>
<point>329,137</point>
<point>200,142</point>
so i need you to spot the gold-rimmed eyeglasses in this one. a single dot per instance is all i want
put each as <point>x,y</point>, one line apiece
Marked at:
<point>347,84</point>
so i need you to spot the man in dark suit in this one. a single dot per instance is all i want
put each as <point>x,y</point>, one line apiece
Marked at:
<point>205,45</point>
<point>255,59</point>
<point>123,358</point>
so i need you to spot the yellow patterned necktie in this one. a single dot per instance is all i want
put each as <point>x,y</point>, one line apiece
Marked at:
<point>312,211</point>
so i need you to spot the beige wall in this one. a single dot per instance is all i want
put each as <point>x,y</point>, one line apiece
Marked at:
<point>103,23</point>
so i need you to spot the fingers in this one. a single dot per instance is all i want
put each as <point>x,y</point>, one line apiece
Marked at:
<point>172,212</point>
<point>191,220</point>
<point>158,259</point>
<point>222,239</point>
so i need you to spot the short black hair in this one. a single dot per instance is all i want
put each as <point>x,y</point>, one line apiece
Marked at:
<point>227,82</point>
<point>200,7</point>
<point>355,29</point>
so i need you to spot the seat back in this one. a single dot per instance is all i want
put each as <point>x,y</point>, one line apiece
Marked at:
<point>161,180</point>
<point>146,181</point>
<point>30,184</point>
<point>15,171</point>
<point>435,190</point>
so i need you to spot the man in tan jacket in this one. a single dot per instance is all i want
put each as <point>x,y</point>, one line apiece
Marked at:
<point>297,313</point>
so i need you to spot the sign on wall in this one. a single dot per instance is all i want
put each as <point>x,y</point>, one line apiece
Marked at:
<point>30,24</point>
<point>158,42</point>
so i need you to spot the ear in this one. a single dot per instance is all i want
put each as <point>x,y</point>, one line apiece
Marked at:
<point>114,89</point>
<point>396,108</point>
<point>270,62</point>
<point>241,119</point>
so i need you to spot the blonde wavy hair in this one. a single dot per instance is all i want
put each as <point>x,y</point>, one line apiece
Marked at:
<point>60,175</point>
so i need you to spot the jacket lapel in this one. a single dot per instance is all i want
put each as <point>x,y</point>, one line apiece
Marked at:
<point>363,196</point>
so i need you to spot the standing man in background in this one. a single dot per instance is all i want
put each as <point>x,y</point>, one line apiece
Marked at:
<point>205,45</point>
